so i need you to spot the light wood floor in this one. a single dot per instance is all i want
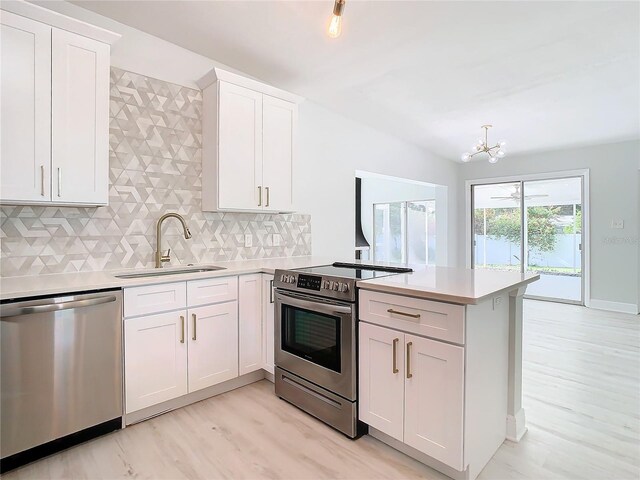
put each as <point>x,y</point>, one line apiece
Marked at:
<point>581,395</point>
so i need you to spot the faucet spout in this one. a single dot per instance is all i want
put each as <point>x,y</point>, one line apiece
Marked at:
<point>159,257</point>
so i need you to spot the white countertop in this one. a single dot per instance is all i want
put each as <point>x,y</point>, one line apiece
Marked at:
<point>455,285</point>
<point>449,284</point>
<point>56,283</point>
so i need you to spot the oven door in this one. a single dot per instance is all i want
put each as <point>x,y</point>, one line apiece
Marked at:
<point>315,339</point>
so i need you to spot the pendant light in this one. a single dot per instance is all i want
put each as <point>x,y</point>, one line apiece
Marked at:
<point>335,25</point>
<point>482,146</point>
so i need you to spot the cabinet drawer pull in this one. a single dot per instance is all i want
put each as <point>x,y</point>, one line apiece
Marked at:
<point>409,374</point>
<point>181,328</point>
<point>193,315</point>
<point>259,196</point>
<point>42,180</point>
<point>267,189</point>
<point>395,355</point>
<point>59,182</point>
<point>412,315</point>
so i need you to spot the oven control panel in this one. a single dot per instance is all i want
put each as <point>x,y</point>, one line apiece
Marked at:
<point>326,286</point>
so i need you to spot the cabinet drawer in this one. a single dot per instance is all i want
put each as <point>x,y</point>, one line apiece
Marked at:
<point>212,290</point>
<point>438,320</point>
<point>154,298</point>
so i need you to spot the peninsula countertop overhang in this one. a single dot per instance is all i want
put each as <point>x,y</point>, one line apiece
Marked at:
<point>450,284</point>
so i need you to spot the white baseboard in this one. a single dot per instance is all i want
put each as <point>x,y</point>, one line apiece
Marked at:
<point>614,306</point>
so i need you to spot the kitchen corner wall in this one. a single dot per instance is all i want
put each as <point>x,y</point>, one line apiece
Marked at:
<point>155,167</point>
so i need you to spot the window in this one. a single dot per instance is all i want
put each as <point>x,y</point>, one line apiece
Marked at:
<point>405,232</point>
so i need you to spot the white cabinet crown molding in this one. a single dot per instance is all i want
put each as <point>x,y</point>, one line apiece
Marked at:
<point>217,74</point>
<point>55,19</point>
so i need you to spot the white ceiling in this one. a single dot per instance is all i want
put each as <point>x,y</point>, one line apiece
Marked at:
<point>546,74</point>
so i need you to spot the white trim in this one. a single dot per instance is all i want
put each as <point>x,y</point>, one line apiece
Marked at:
<point>586,214</point>
<point>614,306</point>
<point>55,19</point>
<point>217,74</point>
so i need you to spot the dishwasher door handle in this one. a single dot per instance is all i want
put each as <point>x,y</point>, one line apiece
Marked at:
<point>10,311</point>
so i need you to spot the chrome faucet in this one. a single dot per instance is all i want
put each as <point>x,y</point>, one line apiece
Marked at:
<point>160,258</point>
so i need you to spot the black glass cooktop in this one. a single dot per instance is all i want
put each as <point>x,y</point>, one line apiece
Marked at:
<point>354,270</point>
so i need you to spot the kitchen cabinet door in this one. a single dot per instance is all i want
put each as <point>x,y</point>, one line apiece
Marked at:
<point>434,399</point>
<point>381,382</point>
<point>268,314</point>
<point>250,322</point>
<point>79,119</point>
<point>155,359</point>
<point>213,344</point>
<point>239,182</point>
<point>25,102</point>
<point>278,123</point>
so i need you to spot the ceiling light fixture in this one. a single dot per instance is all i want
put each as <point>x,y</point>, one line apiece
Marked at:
<point>496,152</point>
<point>335,25</point>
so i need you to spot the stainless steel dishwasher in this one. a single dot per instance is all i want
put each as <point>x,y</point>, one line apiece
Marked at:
<point>61,366</point>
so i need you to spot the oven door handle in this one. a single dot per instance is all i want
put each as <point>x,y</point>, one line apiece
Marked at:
<point>317,306</point>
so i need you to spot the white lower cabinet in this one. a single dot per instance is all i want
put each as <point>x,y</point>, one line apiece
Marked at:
<point>155,359</point>
<point>268,318</point>
<point>250,322</point>
<point>412,389</point>
<point>212,344</point>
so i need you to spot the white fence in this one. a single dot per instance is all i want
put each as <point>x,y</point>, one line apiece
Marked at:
<point>566,254</point>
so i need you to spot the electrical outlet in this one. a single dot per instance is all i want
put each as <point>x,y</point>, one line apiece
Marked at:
<point>248,240</point>
<point>617,223</point>
<point>276,239</point>
<point>497,301</point>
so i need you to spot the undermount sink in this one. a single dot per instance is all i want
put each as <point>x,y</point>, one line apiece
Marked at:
<point>160,272</point>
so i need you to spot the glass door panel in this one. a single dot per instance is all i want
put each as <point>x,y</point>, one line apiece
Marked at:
<point>553,226</point>
<point>497,230</point>
<point>389,231</point>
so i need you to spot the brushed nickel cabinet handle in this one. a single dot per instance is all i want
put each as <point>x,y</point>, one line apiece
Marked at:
<point>271,291</point>
<point>59,182</point>
<point>409,374</point>
<point>412,315</point>
<point>259,195</point>
<point>193,315</point>
<point>267,189</point>
<point>395,355</point>
<point>42,180</point>
<point>181,328</point>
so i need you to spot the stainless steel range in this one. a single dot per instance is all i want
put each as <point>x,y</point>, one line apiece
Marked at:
<point>316,339</point>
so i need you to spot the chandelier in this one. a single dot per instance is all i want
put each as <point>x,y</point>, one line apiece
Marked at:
<point>495,152</point>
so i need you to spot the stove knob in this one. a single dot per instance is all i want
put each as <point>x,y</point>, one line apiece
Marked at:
<point>344,287</point>
<point>292,279</point>
<point>282,277</point>
<point>325,285</point>
<point>336,286</point>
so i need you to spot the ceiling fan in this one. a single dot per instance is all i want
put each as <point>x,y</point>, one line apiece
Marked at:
<point>516,195</point>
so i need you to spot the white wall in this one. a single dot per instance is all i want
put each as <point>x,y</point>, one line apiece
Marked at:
<point>330,148</point>
<point>614,195</point>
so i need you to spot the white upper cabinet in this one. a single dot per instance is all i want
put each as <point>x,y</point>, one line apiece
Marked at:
<point>278,123</point>
<point>55,108</point>
<point>25,159</point>
<point>248,153</point>
<point>79,119</point>
<point>239,147</point>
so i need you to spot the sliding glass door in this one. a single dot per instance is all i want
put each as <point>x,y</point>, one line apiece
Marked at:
<point>532,226</point>
<point>405,232</point>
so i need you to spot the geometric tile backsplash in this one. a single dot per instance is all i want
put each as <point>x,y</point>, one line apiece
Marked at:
<point>155,166</point>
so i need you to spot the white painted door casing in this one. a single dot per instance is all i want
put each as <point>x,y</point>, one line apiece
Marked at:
<point>155,359</point>
<point>381,395</point>
<point>278,123</point>
<point>239,146</point>
<point>79,119</point>
<point>212,344</point>
<point>25,84</point>
<point>434,399</point>
<point>250,323</point>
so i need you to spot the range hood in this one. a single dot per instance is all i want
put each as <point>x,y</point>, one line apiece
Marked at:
<point>361,241</point>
